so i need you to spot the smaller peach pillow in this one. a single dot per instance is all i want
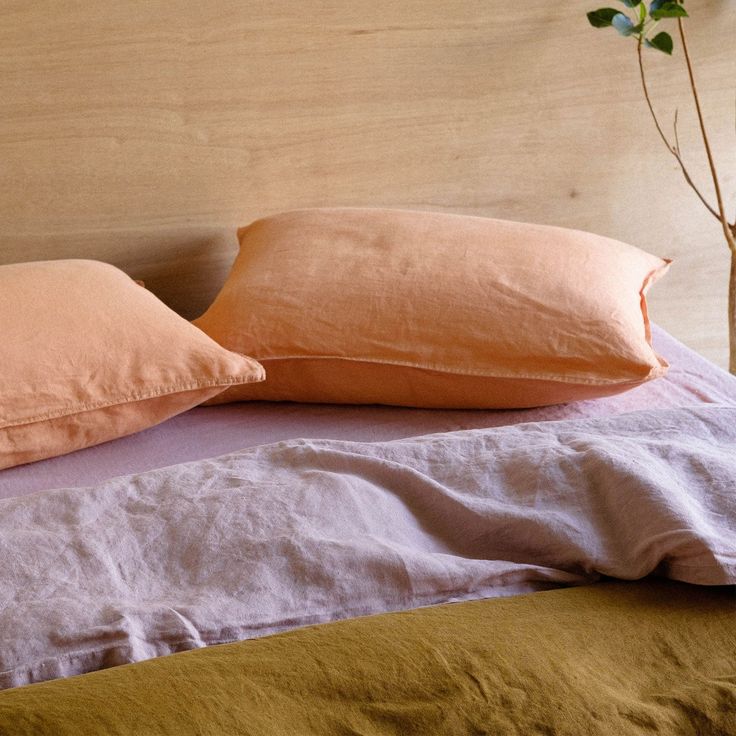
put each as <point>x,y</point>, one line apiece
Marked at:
<point>434,310</point>
<point>89,355</point>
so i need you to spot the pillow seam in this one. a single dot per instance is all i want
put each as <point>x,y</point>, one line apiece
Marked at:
<point>131,398</point>
<point>655,371</point>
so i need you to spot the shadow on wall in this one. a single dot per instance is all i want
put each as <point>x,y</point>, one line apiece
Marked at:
<point>184,268</point>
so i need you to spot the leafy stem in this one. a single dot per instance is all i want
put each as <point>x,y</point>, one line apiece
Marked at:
<point>640,28</point>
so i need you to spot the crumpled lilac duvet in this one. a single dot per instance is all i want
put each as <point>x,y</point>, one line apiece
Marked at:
<point>308,531</point>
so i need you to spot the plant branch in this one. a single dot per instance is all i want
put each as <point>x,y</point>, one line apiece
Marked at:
<point>674,150</point>
<point>727,231</point>
<point>677,137</point>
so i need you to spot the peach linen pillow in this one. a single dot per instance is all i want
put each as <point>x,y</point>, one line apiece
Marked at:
<point>434,310</point>
<point>89,355</point>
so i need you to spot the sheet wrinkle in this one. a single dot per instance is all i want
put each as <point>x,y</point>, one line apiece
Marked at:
<point>194,634</point>
<point>287,535</point>
<point>417,491</point>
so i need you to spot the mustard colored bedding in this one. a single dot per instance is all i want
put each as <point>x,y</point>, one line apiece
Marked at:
<point>612,658</point>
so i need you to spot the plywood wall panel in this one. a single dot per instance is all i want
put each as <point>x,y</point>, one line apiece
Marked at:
<point>144,133</point>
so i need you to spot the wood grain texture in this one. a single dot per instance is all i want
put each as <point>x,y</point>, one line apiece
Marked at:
<point>144,133</point>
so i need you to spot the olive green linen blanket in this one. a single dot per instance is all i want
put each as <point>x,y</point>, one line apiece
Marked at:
<point>612,658</point>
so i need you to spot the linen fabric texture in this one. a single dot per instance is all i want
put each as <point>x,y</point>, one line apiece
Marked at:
<point>308,531</point>
<point>90,355</point>
<point>208,431</point>
<point>434,310</point>
<point>613,659</point>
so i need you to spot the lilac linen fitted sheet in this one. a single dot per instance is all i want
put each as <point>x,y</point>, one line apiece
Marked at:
<point>210,431</point>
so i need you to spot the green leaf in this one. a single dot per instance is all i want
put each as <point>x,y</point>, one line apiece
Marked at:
<point>602,18</point>
<point>657,4</point>
<point>661,42</point>
<point>624,25</point>
<point>668,9</point>
<point>631,3</point>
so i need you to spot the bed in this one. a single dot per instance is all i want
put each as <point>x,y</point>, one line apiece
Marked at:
<point>501,647</point>
<point>307,567</point>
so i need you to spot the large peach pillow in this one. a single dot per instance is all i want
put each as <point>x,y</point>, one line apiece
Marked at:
<point>434,310</point>
<point>89,355</point>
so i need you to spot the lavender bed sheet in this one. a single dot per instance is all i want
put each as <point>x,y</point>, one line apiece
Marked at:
<point>207,432</point>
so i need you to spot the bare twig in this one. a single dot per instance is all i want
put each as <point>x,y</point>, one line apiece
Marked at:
<point>727,231</point>
<point>677,139</point>
<point>674,150</point>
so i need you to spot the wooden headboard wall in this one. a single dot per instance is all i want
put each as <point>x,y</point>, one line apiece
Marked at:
<point>144,133</point>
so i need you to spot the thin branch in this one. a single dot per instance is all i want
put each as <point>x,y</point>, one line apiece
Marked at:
<point>711,163</point>
<point>685,172</point>
<point>678,153</point>
<point>672,149</point>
